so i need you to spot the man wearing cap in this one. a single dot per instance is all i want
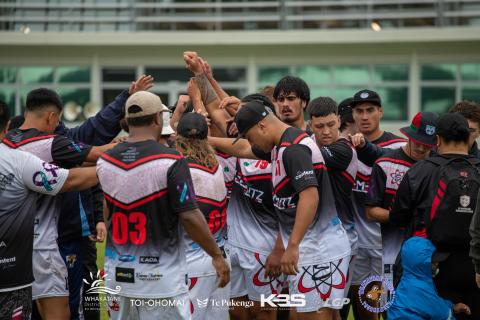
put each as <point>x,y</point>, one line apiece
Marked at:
<point>145,253</point>
<point>345,112</point>
<point>387,174</point>
<point>415,198</point>
<point>367,112</point>
<point>311,232</point>
<point>211,194</point>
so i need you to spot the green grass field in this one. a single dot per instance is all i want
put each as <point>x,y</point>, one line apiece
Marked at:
<point>100,259</point>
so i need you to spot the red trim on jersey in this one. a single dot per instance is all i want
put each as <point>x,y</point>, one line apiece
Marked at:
<point>391,191</point>
<point>420,233</point>
<point>126,166</point>
<point>406,163</point>
<point>265,176</point>
<point>300,138</point>
<point>348,177</point>
<point>137,203</point>
<point>203,168</point>
<point>21,143</point>
<point>281,184</point>
<point>438,198</point>
<point>212,202</point>
<point>363,177</point>
<point>320,166</point>
<point>389,142</point>
<point>285,144</point>
<point>223,155</point>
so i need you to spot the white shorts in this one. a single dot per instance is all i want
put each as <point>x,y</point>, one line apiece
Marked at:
<point>323,285</point>
<point>207,300</point>
<point>50,273</point>
<point>248,275</point>
<point>175,308</point>
<point>368,262</point>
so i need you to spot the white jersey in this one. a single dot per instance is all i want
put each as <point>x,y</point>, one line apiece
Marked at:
<point>211,195</point>
<point>21,176</point>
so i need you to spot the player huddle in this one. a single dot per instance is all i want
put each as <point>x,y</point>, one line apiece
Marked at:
<point>245,200</point>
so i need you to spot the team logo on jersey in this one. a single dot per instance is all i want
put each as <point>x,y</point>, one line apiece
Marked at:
<point>3,244</point>
<point>430,130</point>
<point>464,201</point>
<point>5,180</point>
<point>149,260</point>
<point>397,176</point>
<point>71,259</point>
<point>97,284</point>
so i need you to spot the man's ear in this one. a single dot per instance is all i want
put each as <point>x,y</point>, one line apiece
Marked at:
<point>438,142</point>
<point>304,104</point>
<point>159,119</point>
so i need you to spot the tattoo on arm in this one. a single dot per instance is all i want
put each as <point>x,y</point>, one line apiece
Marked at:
<point>206,89</point>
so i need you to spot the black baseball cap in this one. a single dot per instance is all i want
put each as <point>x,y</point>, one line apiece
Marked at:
<point>193,125</point>
<point>249,115</point>
<point>345,107</point>
<point>366,95</point>
<point>423,128</point>
<point>451,124</point>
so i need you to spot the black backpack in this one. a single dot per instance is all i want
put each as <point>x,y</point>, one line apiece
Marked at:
<point>454,202</point>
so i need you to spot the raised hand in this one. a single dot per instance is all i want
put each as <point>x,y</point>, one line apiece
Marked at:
<point>143,83</point>
<point>193,62</point>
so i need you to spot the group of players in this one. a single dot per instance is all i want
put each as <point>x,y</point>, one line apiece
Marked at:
<point>245,200</point>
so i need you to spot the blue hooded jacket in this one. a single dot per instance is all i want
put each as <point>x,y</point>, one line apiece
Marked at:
<point>416,296</point>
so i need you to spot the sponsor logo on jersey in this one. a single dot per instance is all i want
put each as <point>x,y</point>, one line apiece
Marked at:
<point>150,276</point>
<point>303,174</point>
<point>96,285</point>
<point>464,205</point>
<point>149,260</point>
<point>283,203</point>
<point>126,258</point>
<point>125,275</point>
<point>5,180</point>
<point>3,244</point>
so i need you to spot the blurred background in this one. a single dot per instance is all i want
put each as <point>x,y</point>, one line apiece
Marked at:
<point>419,55</point>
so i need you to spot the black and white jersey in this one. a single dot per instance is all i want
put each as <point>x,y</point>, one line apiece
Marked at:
<point>146,186</point>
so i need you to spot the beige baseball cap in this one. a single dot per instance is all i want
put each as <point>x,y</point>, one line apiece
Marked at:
<point>142,103</point>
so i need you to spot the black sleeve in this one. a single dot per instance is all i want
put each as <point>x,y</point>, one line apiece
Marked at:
<point>180,187</point>
<point>403,207</point>
<point>68,154</point>
<point>97,195</point>
<point>370,153</point>
<point>376,187</point>
<point>262,154</point>
<point>337,155</point>
<point>297,160</point>
<point>475,234</point>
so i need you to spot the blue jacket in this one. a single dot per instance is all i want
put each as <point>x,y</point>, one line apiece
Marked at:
<point>80,211</point>
<point>416,296</point>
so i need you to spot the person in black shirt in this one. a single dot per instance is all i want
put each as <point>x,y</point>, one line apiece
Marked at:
<point>456,278</point>
<point>471,111</point>
<point>341,161</point>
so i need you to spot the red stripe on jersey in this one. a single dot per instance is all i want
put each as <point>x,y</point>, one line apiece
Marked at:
<point>139,161</point>
<point>212,202</point>
<point>281,184</point>
<point>203,168</point>
<point>386,143</point>
<point>21,143</point>
<point>349,177</point>
<point>391,191</point>
<point>406,163</point>
<point>300,138</point>
<point>223,155</point>
<point>136,203</point>
<point>363,177</point>
<point>420,233</point>
<point>285,144</point>
<point>319,166</point>
<point>266,176</point>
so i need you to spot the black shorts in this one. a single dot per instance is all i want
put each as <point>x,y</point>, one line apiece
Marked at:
<point>16,304</point>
